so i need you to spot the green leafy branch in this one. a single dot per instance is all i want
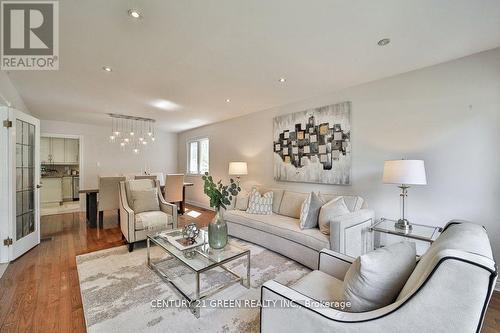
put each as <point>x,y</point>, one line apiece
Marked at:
<point>220,195</point>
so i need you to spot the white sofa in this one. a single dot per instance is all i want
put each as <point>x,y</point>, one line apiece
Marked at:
<point>280,232</point>
<point>448,291</point>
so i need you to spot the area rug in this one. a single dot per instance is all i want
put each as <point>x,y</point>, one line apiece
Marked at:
<point>121,294</point>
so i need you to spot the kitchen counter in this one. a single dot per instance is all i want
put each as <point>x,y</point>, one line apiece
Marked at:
<point>62,176</point>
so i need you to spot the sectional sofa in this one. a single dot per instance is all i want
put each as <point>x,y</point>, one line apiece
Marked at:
<point>280,232</point>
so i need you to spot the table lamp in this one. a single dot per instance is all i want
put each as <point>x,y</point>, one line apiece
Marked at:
<point>238,169</point>
<point>404,173</point>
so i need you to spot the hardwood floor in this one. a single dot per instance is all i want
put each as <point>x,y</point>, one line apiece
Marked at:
<point>40,291</point>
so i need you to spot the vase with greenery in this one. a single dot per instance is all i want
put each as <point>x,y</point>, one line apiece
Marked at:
<point>220,196</point>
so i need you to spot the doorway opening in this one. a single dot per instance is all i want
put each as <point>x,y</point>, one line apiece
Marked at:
<point>60,174</point>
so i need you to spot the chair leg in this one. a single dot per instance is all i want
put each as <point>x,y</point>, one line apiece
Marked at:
<point>130,247</point>
<point>101,219</point>
<point>119,217</point>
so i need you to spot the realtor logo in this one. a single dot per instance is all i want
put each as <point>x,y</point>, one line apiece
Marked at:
<point>30,35</point>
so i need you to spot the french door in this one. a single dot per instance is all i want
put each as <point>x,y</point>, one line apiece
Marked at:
<point>24,179</point>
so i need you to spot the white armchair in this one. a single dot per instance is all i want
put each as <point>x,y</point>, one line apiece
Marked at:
<point>136,226</point>
<point>448,291</point>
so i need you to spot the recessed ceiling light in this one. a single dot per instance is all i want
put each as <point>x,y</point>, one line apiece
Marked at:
<point>134,13</point>
<point>282,80</point>
<point>107,68</point>
<point>165,105</point>
<point>384,42</point>
<point>228,100</point>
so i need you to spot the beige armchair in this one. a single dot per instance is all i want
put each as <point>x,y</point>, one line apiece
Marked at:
<point>108,196</point>
<point>136,226</point>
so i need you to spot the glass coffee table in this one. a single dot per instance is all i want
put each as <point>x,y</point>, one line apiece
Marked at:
<point>199,260</point>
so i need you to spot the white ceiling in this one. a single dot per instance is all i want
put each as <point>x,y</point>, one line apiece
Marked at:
<point>198,53</point>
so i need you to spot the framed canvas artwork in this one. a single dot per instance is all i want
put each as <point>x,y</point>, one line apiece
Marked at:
<point>314,146</point>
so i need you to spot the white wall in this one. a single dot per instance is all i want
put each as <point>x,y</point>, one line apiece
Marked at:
<point>9,93</point>
<point>447,115</point>
<point>100,157</point>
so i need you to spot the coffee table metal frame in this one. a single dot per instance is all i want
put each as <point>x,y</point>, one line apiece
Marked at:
<point>199,295</point>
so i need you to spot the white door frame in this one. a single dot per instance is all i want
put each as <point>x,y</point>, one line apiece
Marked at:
<point>80,155</point>
<point>21,246</point>
<point>4,185</point>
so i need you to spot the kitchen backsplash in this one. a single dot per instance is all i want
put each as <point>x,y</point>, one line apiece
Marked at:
<point>59,170</point>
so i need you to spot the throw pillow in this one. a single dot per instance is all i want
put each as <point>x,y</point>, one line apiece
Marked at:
<point>375,279</point>
<point>309,211</point>
<point>241,201</point>
<point>145,201</point>
<point>329,211</point>
<point>260,204</point>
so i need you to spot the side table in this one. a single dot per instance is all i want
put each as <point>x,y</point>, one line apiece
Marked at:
<point>424,235</point>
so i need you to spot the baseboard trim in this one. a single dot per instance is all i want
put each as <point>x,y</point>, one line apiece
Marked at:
<point>199,204</point>
<point>497,287</point>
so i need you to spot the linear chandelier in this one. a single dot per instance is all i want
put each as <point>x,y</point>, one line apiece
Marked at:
<point>132,133</point>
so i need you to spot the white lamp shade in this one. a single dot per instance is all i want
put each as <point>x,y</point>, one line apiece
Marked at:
<point>407,172</point>
<point>238,168</point>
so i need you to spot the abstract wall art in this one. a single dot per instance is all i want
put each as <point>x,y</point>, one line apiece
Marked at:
<point>314,146</point>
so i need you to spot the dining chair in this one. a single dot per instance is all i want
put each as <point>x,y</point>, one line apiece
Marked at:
<point>174,185</point>
<point>160,177</point>
<point>108,196</point>
<point>151,177</point>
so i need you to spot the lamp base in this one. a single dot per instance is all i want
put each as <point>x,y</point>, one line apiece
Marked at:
<point>403,224</point>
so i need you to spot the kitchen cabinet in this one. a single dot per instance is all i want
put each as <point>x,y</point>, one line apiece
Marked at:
<point>71,151</point>
<point>51,191</point>
<point>59,151</point>
<point>45,150</point>
<point>67,188</point>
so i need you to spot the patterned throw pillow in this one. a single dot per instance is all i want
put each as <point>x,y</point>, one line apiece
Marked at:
<point>309,211</point>
<point>260,204</point>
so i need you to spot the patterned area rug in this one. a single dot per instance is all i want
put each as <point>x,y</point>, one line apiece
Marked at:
<point>121,294</point>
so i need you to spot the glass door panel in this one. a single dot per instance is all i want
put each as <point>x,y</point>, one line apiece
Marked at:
<point>25,175</point>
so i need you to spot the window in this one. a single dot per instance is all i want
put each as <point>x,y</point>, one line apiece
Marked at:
<point>198,156</point>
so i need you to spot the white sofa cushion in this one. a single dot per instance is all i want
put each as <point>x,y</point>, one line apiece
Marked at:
<point>151,220</point>
<point>329,211</point>
<point>145,201</point>
<point>320,286</point>
<point>353,202</point>
<point>241,201</point>
<point>260,204</point>
<point>291,203</point>
<point>309,211</point>
<point>282,226</point>
<point>375,279</point>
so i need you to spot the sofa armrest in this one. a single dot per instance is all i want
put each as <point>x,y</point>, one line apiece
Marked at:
<point>127,215</point>
<point>349,233</point>
<point>168,208</point>
<point>334,263</point>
